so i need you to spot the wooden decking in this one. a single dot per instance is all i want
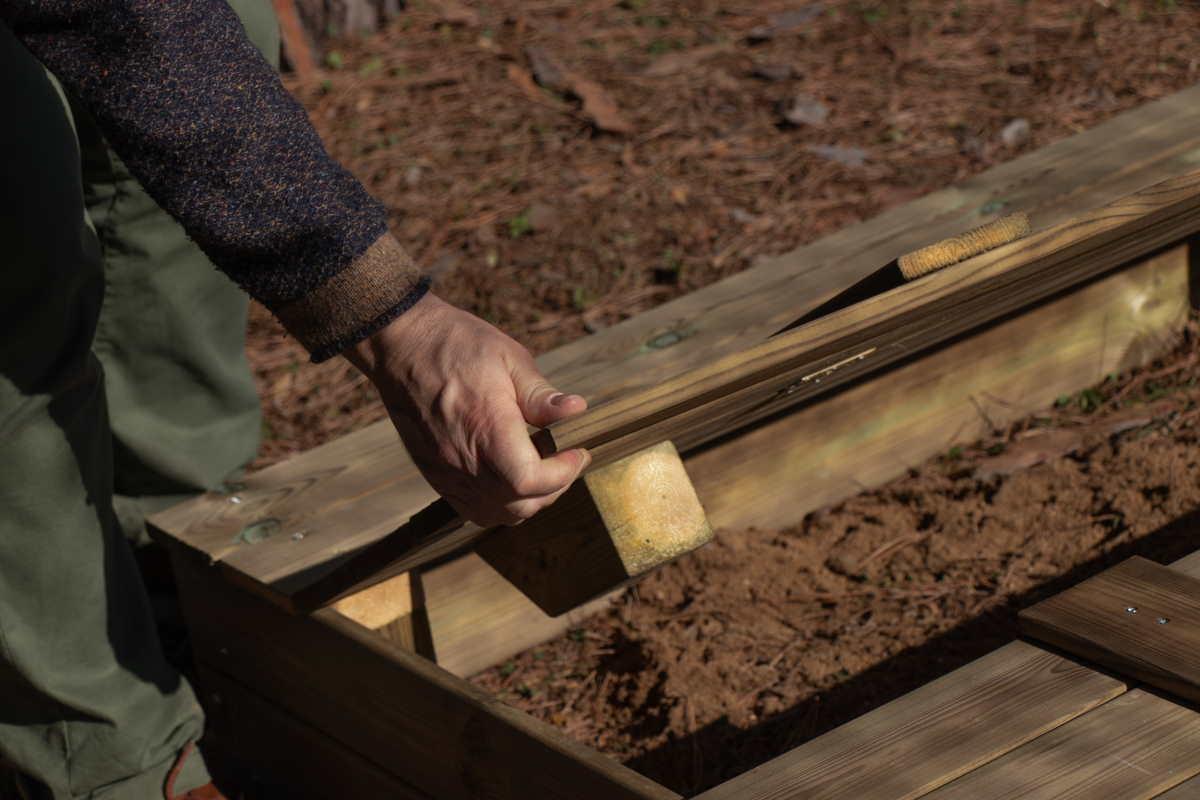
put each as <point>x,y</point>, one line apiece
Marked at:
<point>1029,721</point>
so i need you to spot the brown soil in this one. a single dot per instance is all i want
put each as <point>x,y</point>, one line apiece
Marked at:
<point>531,216</point>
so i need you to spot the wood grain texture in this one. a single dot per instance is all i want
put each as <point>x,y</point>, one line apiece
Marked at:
<point>620,522</point>
<point>1132,748</point>
<point>452,740</point>
<point>267,741</point>
<point>1188,790</point>
<point>1139,618</point>
<point>934,734</point>
<point>748,385</point>
<point>874,431</point>
<point>352,491</point>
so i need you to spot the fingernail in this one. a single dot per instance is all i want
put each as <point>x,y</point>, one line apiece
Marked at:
<point>558,399</point>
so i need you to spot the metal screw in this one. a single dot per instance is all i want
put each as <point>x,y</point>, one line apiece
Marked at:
<point>235,500</point>
<point>1163,620</point>
<point>1130,609</point>
<point>297,536</point>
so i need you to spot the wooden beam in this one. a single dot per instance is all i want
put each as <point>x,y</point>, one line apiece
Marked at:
<point>746,386</point>
<point>1136,746</point>
<point>620,522</point>
<point>1138,618</point>
<point>444,736</point>
<point>933,735</point>
<point>876,430</point>
<point>270,744</point>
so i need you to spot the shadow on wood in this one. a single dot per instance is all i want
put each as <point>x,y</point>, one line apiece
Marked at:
<point>618,523</point>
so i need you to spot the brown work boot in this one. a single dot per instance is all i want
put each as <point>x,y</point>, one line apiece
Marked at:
<point>208,791</point>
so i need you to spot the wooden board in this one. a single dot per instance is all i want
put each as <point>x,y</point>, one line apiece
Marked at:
<point>1136,746</point>
<point>260,737</point>
<point>1188,790</point>
<point>352,491</point>
<point>448,738</point>
<point>931,736</point>
<point>876,430</point>
<point>1139,618</point>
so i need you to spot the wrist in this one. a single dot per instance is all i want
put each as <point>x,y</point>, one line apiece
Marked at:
<point>375,355</point>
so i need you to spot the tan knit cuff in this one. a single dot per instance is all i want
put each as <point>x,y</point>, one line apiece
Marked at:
<point>373,290</point>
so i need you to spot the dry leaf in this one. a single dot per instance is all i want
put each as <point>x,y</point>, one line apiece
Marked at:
<point>456,13</point>
<point>599,106</point>
<point>850,156</point>
<point>682,61</point>
<point>546,70</point>
<point>806,110</point>
<point>1041,446</point>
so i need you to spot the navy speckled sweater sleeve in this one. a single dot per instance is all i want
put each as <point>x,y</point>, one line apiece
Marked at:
<point>204,123</point>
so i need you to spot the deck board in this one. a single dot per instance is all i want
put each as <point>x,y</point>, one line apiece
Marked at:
<point>1134,747</point>
<point>1138,618</point>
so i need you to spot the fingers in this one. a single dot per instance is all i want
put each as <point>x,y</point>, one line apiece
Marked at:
<point>530,481</point>
<point>541,404</point>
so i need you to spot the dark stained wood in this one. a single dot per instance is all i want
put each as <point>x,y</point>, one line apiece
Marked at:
<point>452,740</point>
<point>1139,618</point>
<point>1188,790</point>
<point>931,736</point>
<point>267,741</point>
<point>1132,748</point>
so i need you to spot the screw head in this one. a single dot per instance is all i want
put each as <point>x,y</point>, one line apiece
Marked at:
<point>1130,609</point>
<point>1163,620</point>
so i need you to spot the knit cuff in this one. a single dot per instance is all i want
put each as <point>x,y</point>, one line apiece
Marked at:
<point>373,290</point>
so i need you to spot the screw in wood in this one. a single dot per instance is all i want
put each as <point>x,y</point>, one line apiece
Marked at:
<point>1163,620</point>
<point>1130,609</point>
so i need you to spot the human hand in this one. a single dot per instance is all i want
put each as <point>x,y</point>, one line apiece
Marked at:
<point>460,394</point>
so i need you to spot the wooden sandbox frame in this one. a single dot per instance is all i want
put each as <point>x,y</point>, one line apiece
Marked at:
<point>367,699</point>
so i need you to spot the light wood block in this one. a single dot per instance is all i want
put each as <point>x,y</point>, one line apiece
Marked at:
<point>620,522</point>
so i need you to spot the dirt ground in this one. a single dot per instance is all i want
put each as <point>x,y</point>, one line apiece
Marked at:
<point>561,165</point>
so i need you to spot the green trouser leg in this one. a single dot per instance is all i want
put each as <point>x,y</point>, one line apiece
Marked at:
<point>171,335</point>
<point>88,705</point>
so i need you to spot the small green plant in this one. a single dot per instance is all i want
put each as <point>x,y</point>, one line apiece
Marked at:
<point>372,66</point>
<point>334,60</point>
<point>954,453</point>
<point>508,668</point>
<point>520,225</point>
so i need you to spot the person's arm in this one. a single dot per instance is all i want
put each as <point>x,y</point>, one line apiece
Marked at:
<point>203,122</point>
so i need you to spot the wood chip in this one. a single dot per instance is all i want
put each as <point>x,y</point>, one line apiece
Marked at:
<point>682,61</point>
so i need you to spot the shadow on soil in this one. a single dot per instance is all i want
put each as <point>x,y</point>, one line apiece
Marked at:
<point>720,751</point>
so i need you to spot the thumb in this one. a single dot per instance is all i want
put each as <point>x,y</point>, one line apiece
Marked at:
<point>541,404</point>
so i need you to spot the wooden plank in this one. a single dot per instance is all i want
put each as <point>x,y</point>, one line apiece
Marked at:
<point>780,372</point>
<point>272,744</point>
<point>350,492</point>
<point>934,734</point>
<point>876,430</point>
<point>450,738</point>
<point>1136,746</point>
<point>1188,790</point>
<point>1188,565</point>
<point>1139,618</point>
<point>801,364</point>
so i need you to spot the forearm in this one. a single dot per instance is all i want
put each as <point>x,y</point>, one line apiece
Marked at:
<point>203,122</point>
